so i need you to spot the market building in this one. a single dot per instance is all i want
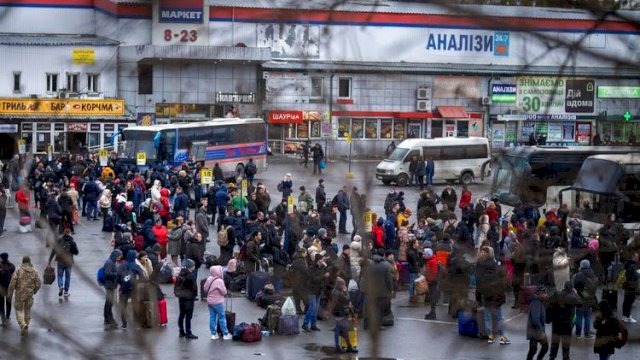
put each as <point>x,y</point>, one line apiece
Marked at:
<point>380,71</point>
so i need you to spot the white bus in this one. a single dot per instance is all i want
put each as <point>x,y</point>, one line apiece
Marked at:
<point>457,159</point>
<point>606,184</point>
<point>230,142</point>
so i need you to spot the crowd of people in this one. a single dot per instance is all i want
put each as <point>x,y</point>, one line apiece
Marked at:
<point>164,216</point>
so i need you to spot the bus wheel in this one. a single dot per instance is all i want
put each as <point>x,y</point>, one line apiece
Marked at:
<point>386,182</point>
<point>240,170</point>
<point>466,178</point>
<point>402,180</point>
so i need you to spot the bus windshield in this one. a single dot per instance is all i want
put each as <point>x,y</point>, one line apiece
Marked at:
<point>398,154</point>
<point>508,179</point>
<point>139,141</point>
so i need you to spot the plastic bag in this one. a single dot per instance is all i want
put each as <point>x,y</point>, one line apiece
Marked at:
<point>353,285</point>
<point>288,308</point>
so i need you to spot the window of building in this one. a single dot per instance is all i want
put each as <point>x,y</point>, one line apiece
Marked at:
<point>343,126</point>
<point>357,128</point>
<point>399,129</point>
<point>436,129</point>
<point>317,87</point>
<point>462,128</point>
<point>145,79</point>
<point>16,81</point>
<point>344,88</point>
<point>52,82</point>
<point>386,129</point>
<point>72,82</point>
<point>371,128</point>
<point>92,82</point>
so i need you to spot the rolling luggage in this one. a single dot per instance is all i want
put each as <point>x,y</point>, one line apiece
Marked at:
<point>611,296</point>
<point>229,315</point>
<point>203,293</point>
<point>163,318</point>
<point>49,275</point>
<point>288,325</point>
<point>256,282</point>
<point>467,324</point>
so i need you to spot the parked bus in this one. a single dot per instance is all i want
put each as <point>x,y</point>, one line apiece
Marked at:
<point>606,184</point>
<point>454,159</point>
<point>230,142</point>
<point>534,175</point>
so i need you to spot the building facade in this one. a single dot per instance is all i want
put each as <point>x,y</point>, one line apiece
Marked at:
<point>374,73</point>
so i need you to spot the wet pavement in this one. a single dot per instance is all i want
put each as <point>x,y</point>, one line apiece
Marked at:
<point>72,328</point>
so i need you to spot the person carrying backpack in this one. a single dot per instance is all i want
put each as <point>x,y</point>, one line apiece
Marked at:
<point>129,273</point>
<point>63,251</point>
<point>585,282</point>
<point>186,291</point>
<point>250,170</point>
<point>110,284</point>
<point>610,332</point>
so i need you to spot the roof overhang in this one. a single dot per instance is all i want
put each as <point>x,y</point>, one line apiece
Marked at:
<point>151,53</point>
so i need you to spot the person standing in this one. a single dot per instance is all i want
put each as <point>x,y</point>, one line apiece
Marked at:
<point>110,285</point>
<point>316,275</point>
<point>430,169</point>
<point>25,283</point>
<point>630,288</point>
<point>216,292</point>
<point>3,208</point>
<point>585,282</point>
<point>63,251</point>
<point>431,272</point>
<point>449,197</point>
<point>414,260</point>
<point>318,156</point>
<point>129,274</point>
<point>491,281</point>
<point>305,154</point>
<point>536,325</point>
<point>250,172</point>
<point>562,306</point>
<point>607,331</point>
<point>413,170</point>
<point>342,200</point>
<point>421,171</point>
<point>186,291</point>
<point>321,195</point>
<point>6,273</point>
<point>298,283</point>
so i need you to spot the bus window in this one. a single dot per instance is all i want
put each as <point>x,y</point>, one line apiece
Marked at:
<point>167,145</point>
<point>398,154</point>
<point>431,152</point>
<point>452,152</point>
<point>476,152</point>
<point>413,153</point>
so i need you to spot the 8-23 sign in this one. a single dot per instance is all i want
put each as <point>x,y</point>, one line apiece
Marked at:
<point>183,35</point>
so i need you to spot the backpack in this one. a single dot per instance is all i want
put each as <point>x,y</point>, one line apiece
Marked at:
<point>127,280</point>
<point>590,288</point>
<point>251,169</point>
<point>621,341</point>
<point>223,236</point>
<point>271,317</point>
<point>178,290</point>
<point>242,256</point>
<point>101,277</point>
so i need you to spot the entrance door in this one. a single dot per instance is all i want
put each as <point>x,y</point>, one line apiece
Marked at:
<point>7,146</point>
<point>450,128</point>
<point>76,142</point>
<point>414,130</point>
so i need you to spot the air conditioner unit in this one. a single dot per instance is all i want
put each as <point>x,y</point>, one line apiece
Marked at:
<point>423,93</point>
<point>485,100</point>
<point>423,105</point>
<point>93,95</point>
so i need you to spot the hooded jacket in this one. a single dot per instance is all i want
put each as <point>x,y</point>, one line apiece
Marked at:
<point>222,196</point>
<point>64,250</point>
<point>536,319</point>
<point>111,270</point>
<point>214,286</point>
<point>25,282</point>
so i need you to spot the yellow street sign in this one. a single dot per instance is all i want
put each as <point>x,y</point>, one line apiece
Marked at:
<point>141,158</point>
<point>104,157</point>
<point>206,176</point>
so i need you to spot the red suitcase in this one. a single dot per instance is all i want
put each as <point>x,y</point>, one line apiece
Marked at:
<point>162,310</point>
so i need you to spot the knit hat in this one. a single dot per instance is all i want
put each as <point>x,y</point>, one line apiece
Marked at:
<point>585,264</point>
<point>26,260</point>
<point>190,264</point>
<point>322,231</point>
<point>357,238</point>
<point>428,253</point>
<point>4,256</point>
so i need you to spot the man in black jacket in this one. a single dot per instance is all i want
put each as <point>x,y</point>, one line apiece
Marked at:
<point>110,285</point>
<point>66,208</point>
<point>562,306</point>
<point>6,272</point>
<point>91,193</point>
<point>63,251</point>
<point>186,291</point>
<point>321,195</point>
<point>316,278</point>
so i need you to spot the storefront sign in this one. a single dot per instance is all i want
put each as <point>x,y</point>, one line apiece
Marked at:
<point>326,129</point>
<point>77,127</point>
<point>455,87</point>
<point>146,119</point>
<point>285,117</point>
<point>583,133</point>
<point>206,176</point>
<point>8,128</point>
<point>503,93</point>
<point>580,96</point>
<point>103,155</point>
<point>486,43</point>
<point>497,135</point>
<point>83,56</point>
<point>141,159</point>
<point>619,92</point>
<point>61,107</point>
<point>554,132</point>
<point>181,11</point>
<point>551,95</point>
<point>249,98</point>
<point>511,133</point>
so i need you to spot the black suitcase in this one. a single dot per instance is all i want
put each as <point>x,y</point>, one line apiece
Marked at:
<point>203,294</point>
<point>256,282</point>
<point>229,315</point>
<point>611,296</point>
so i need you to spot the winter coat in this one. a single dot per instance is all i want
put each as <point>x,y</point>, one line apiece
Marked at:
<point>214,286</point>
<point>343,201</point>
<point>431,269</point>
<point>315,279</point>
<point>491,282</point>
<point>181,202</point>
<point>607,329</point>
<point>202,224</point>
<point>377,235</point>
<point>186,287</point>
<point>354,257</point>
<point>25,283</point>
<point>111,270</point>
<point>414,261</point>
<point>382,277</point>
<point>562,305</point>
<point>561,269</point>
<point>64,251</point>
<point>321,195</point>
<point>105,199</point>
<point>6,272</point>
<point>449,198</point>
<point>253,256</point>
<point>536,319</point>
<point>175,240</point>
<point>298,272</point>
<point>222,196</point>
<point>586,283</point>
<point>161,233</point>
